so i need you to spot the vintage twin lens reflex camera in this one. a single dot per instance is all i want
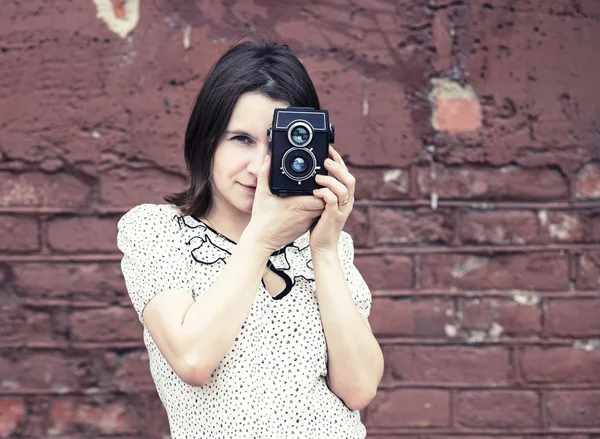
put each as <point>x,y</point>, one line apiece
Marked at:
<point>300,138</point>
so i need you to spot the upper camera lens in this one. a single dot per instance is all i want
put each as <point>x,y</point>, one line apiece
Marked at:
<point>300,135</point>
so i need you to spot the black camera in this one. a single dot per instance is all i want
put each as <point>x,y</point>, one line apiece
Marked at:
<point>300,138</point>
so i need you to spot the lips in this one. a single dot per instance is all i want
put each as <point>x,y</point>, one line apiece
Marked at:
<point>250,188</point>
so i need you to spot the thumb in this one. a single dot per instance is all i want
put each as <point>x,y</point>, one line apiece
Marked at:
<point>263,174</point>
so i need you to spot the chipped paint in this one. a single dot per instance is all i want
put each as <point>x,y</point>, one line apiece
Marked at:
<point>470,263</point>
<point>476,337</point>
<point>450,330</point>
<point>187,32</point>
<point>392,175</point>
<point>121,16</point>
<point>588,345</point>
<point>564,229</point>
<point>495,331</point>
<point>525,298</point>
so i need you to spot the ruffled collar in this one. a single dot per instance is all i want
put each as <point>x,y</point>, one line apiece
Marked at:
<point>209,247</point>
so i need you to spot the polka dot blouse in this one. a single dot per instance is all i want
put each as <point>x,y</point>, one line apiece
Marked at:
<point>271,384</point>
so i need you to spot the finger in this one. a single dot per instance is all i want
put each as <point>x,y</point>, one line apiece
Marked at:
<point>336,157</point>
<point>343,175</point>
<point>311,203</point>
<point>262,182</point>
<point>335,186</point>
<point>331,201</point>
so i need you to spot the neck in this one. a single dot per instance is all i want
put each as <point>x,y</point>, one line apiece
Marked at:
<point>230,223</point>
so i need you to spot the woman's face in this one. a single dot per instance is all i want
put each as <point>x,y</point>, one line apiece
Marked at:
<point>240,153</point>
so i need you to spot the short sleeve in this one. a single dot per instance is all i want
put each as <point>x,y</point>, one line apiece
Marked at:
<point>154,258</point>
<point>358,287</point>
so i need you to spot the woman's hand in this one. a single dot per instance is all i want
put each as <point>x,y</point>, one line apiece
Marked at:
<point>277,221</point>
<point>338,195</point>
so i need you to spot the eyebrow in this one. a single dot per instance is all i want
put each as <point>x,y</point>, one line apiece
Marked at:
<point>238,133</point>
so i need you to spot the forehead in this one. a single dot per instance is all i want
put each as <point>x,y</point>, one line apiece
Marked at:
<point>253,112</point>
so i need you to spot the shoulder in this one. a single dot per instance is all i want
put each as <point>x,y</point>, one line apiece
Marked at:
<point>148,221</point>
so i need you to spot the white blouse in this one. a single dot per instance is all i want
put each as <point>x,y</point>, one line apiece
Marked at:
<point>271,384</point>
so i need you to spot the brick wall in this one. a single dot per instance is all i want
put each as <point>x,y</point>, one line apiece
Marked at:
<point>472,127</point>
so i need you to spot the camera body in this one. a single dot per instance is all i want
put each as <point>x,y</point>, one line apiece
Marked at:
<point>300,138</point>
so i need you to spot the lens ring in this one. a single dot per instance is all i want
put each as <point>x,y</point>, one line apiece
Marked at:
<point>300,124</point>
<point>310,168</point>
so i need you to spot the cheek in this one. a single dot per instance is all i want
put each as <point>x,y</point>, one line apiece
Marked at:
<point>228,161</point>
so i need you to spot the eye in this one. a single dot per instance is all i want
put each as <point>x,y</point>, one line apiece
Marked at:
<point>242,139</point>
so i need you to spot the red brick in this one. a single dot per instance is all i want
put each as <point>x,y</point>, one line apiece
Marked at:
<point>506,184</point>
<point>526,55</point>
<point>423,318</point>
<point>21,325</point>
<point>573,318</point>
<point>410,408</point>
<point>442,40</point>
<point>137,187</point>
<point>152,416</point>
<point>535,271</point>
<point>12,414</point>
<point>108,324</point>
<point>104,415</point>
<point>386,272</point>
<point>561,227</point>
<point>358,227</point>
<point>588,271</point>
<point>498,227</point>
<point>593,228</point>
<point>573,408</point>
<point>395,226</point>
<point>498,409</point>
<point>52,190</point>
<point>83,234</point>
<point>19,234</point>
<point>587,183</point>
<point>448,364</point>
<point>76,281</point>
<point>514,318</point>
<point>456,108</point>
<point>131,372</point>
<point>560,365</point>
<point>37,371</point>
<point>387,122</point>
<point>381,184</point>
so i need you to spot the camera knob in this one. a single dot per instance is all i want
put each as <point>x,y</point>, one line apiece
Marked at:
<point>331,133</point>
<point>269,133</point>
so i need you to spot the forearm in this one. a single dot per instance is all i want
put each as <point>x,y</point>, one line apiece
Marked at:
<point>211,324</point>
<point>355,363</point>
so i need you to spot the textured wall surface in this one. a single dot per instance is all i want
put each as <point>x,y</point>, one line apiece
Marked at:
<point>472,126</point>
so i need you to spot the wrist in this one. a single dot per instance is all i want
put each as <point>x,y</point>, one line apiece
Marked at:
<point>251,235</point>
<point>324,254</point>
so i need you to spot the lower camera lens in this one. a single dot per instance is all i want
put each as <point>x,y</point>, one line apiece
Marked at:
<point>298,164</point>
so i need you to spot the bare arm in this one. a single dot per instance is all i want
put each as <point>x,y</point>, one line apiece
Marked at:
<point>194,336</point>
<point>355,364</point>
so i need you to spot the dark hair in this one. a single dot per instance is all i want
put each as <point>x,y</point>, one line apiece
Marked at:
<point>252,66</point>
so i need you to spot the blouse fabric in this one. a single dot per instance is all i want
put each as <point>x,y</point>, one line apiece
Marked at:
<point>271,383</point>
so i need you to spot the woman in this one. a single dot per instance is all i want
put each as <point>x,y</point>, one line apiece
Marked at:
<point>255,326</point>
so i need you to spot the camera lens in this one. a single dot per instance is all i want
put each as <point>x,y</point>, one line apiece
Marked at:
<point>300,133</point>
<point>298,164</point>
